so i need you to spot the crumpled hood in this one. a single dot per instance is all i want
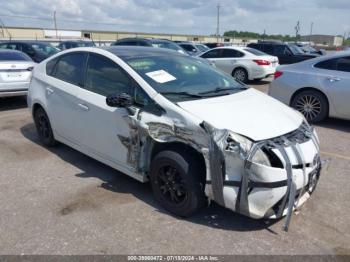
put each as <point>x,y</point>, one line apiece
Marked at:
<point>249,113</point>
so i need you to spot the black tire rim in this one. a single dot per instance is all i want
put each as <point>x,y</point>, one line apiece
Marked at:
<point>171,185</point>
<point>43,126</point>
<point>309,106</point>
<point>240,75</point>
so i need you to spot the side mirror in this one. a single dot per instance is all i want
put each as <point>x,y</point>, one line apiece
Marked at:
<point>119,100</point>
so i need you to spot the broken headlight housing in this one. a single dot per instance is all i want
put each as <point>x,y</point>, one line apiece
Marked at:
<point>238,144</point>
<point>241,145</point>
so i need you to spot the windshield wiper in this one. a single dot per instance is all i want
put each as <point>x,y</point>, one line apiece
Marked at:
<point>220,89</point>
<point>182,94</point>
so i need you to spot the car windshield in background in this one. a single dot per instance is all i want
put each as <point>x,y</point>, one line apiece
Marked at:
<point>85,44</point>
<point>45,48</point>
<point>166,44</point>
<point>254,51</point>
<point>182,78</point>
<point>202,48</point>
<point>14,56</point>
<point>296,49</point>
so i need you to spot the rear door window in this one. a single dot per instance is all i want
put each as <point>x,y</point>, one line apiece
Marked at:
<point>70,68</point>
<point>327,64</point>
<point>268,49</point>
<point>215,53</point>
<point>231,53</point>
<point>343,64</point>
<point>281,50</point>
<point>339,64</point>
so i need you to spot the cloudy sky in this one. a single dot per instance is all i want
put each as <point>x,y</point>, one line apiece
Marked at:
<point>182,16</point>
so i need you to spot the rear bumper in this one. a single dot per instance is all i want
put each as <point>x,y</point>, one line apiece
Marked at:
<point>262,72</point>
<point>14,89</point>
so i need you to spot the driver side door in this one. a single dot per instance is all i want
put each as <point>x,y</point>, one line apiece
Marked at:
<point>102,125</point>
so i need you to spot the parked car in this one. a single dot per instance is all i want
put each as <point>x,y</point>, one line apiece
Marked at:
<point>317,88</point>
<point>37,51</point>
<point>15,72</point>
<point>189,128</point>
<point>308,49</point>
<point>150,42</point>
<point>243,63</point>
<point>193,48</point>
<point>286,53</point>
<point>73,44</point>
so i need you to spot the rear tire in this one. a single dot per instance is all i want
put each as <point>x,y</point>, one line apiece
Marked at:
<point>312,104</point>
<point>240,74</point>
<point>43,127</point>
<point>177,183</point>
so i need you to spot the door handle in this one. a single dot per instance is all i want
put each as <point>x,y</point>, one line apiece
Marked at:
<point>333,79</point>
<point>49,91</point>
<point>83,107</point>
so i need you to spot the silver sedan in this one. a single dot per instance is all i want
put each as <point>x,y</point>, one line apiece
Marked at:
<point>317,88</point>
<point>15,72</point>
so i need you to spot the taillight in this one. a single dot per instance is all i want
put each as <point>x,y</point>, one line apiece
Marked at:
<point>278,74</point>
<point>262,62</point>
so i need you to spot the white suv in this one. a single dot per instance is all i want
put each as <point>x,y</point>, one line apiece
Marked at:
<point>190,129</point>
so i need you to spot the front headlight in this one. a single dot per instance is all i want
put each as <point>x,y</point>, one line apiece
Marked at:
<point>242,146</point>
<point>261,158</point>
<point>238,144</point>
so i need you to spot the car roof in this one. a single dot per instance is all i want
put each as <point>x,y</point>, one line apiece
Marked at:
<point>139,51</point>
<point>134,39</point>
<point>240,48</point>
<point>3,50</point>
<point>76,41</point>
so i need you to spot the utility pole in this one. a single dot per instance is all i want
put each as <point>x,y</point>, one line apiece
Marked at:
<point>54,19</point>
<point>218,23</point>
<point>312,25</point>
<point>297,30</point>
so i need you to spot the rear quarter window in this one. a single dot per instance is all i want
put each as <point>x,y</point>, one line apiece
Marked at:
<point>50,66</point>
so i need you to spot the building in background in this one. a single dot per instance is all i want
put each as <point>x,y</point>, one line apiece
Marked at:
<point>103,37</point>
<point>323,40</point>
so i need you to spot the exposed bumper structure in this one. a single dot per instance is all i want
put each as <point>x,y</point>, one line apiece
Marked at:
<point>258,190</point>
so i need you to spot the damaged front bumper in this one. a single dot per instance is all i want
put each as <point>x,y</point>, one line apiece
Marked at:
<point>262,191</point>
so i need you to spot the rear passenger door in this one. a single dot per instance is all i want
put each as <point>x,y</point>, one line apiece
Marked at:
<point>212,55</point>
<point>102,125</point>
<point>230,59</point>
<point>335,79</point>
<point>65,78</point>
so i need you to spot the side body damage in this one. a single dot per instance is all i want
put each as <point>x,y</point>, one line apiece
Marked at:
<point>233,178</point>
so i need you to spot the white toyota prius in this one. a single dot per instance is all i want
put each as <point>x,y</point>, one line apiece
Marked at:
<point>191,130</point>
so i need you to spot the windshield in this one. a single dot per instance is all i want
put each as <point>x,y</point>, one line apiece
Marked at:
<point>202,48</point>
<point>85,44</point>
<point>181,78</point>
<point>168,45</point>
<point>295,49</point>
<point>255,51</point>
<point>12,56</point>
<point>45,48</point>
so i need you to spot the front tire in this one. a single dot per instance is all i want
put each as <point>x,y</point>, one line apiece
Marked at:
<point>177,183</point>
<point>312,104</point>
<point>43,127</point>
<point>240,74</point>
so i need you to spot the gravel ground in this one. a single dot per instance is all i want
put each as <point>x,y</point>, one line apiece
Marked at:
<point>59,201</point>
